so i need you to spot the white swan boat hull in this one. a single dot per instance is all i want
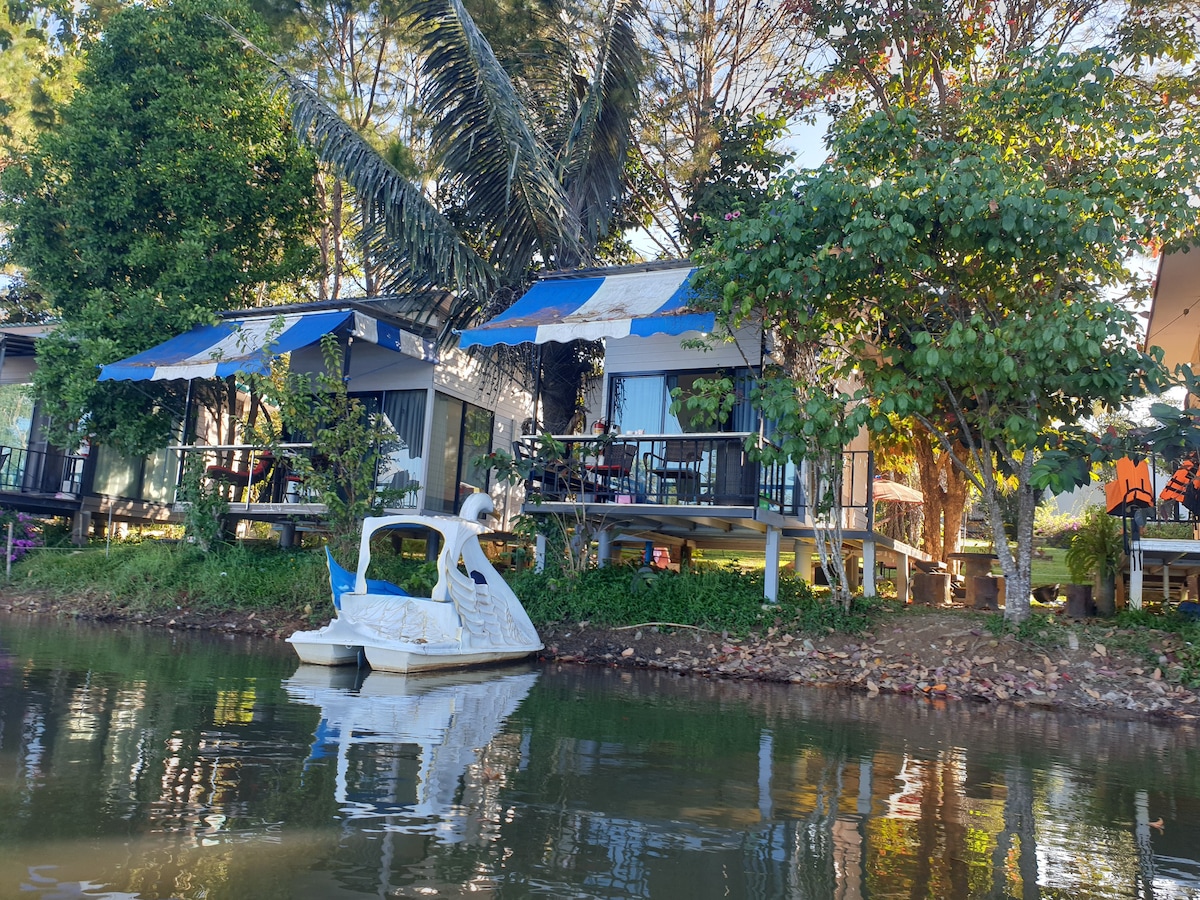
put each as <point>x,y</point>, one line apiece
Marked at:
<point>471,618</point>
<point>420,659</point>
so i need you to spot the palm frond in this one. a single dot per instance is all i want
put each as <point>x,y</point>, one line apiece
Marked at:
<point>405,232</point>
<point>593,160</point>
<point>488,151</point>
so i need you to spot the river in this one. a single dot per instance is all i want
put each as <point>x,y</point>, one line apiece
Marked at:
<point>143,764</point>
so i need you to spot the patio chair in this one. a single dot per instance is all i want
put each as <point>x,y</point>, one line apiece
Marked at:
<point>241,479</point>
<point>613,469</point>
<point>677,467</point>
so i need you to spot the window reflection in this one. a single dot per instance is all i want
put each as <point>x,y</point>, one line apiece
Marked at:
<point>642,403</point>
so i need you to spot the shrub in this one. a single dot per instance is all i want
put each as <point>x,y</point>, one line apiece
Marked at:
<point>715,598</point>
<point>1054,529</point>
<point>26,532</point>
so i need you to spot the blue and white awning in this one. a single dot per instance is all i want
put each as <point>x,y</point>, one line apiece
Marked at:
<point>250,343</point>
<point>592,307</point>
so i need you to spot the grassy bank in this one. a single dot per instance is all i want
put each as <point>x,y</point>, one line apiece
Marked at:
<point>156,578</point>
<point>160,579</point>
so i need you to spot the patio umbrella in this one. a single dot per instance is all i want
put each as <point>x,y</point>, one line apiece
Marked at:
<point>894,492</point>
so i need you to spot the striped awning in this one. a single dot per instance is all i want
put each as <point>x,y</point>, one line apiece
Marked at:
<point>563,309</point>
<point>250,343</point>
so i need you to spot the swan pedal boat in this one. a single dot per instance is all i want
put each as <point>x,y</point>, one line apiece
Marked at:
<point>468,619</point>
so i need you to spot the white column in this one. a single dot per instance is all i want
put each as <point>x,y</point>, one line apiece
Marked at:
<point>903,564</point>
<point>539,554</point>
<point>869,561</point>
<point>771,574</point>
<point>603,548</point>
<point>1135,575</point>
<point>803,563</point>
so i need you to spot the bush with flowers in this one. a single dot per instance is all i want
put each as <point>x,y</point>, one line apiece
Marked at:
<point>1052,528</point>
<point>26,532</point>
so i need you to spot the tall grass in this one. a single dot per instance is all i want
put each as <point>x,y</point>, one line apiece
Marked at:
<point>152,577</point>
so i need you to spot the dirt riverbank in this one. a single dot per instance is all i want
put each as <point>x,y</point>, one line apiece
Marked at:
<point>933,655</point>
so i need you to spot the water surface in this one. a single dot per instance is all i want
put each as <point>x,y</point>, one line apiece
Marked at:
<point>141,764</point>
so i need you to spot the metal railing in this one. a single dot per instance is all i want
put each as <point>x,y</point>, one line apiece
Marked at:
<point>702,470</point>
<point>663,469</point>
<point>251,474</point>
<point>29,471</point>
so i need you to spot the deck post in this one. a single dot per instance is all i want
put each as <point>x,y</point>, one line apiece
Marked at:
<point>903,564</point>
<point>803,564</point>
<point>771,575</point>
<point>1166,573</point>
<point>869,562</point>
<point>853,581</point>
<point>81,524</point>
<point>1135,574</point>
<point>539,554</point>
<point>603,548</point>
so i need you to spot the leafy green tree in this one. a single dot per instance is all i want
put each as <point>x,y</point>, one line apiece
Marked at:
<point>347,444</point>
<point>172,188</point>
<point>971,278</point>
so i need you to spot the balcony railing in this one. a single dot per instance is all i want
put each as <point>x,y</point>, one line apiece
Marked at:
<point>249,474</point>
<point>694,469</point>
<point>30,471</point>
<point>702,470</point>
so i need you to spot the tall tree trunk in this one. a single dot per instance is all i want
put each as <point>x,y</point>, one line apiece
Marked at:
<point>945,489</point>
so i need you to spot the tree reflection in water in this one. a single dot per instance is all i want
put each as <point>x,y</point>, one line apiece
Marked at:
<point>137,764</point>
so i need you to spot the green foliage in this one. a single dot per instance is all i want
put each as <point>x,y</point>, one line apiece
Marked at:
<point>26,532</point>
<point>1177,654</point>
<point>204,516</point>
<point>1051,528</point>
<point>737,176</point>
<point>1043,631</point>
<point>717,599</point>
<point>1095,550</point>
<point>171,188</point>
<point>962,276</point>
<point>347,443</point>
<point>155,578</point>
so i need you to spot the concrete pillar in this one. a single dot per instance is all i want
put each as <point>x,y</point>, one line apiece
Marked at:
<point>852,577</point>
<point>1135,575</point>
<point>771,574</point>
<point>603,548</point>
<point>81,524</point>
<point>902,572</point>
<point>287,535</point>
<point>869,566</point>
<point>803,563</point>
<point>539,554</point>
<point>1166,583</point>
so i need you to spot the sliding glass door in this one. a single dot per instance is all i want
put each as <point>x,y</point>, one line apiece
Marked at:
<point>461,433</point>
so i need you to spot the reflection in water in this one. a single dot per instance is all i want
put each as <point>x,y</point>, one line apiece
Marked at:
<point>141,765</point>
<point>418,736</point>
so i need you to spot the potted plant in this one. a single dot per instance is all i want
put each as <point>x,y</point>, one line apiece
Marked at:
<point>1093,559</point>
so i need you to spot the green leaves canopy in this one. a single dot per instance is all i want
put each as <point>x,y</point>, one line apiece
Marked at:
<point>528,174</point>
<point>172,189</point>
<point>965,269</point>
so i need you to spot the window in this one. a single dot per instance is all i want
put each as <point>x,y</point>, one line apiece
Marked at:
<point>642,403</point>
<point>462,432</point>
